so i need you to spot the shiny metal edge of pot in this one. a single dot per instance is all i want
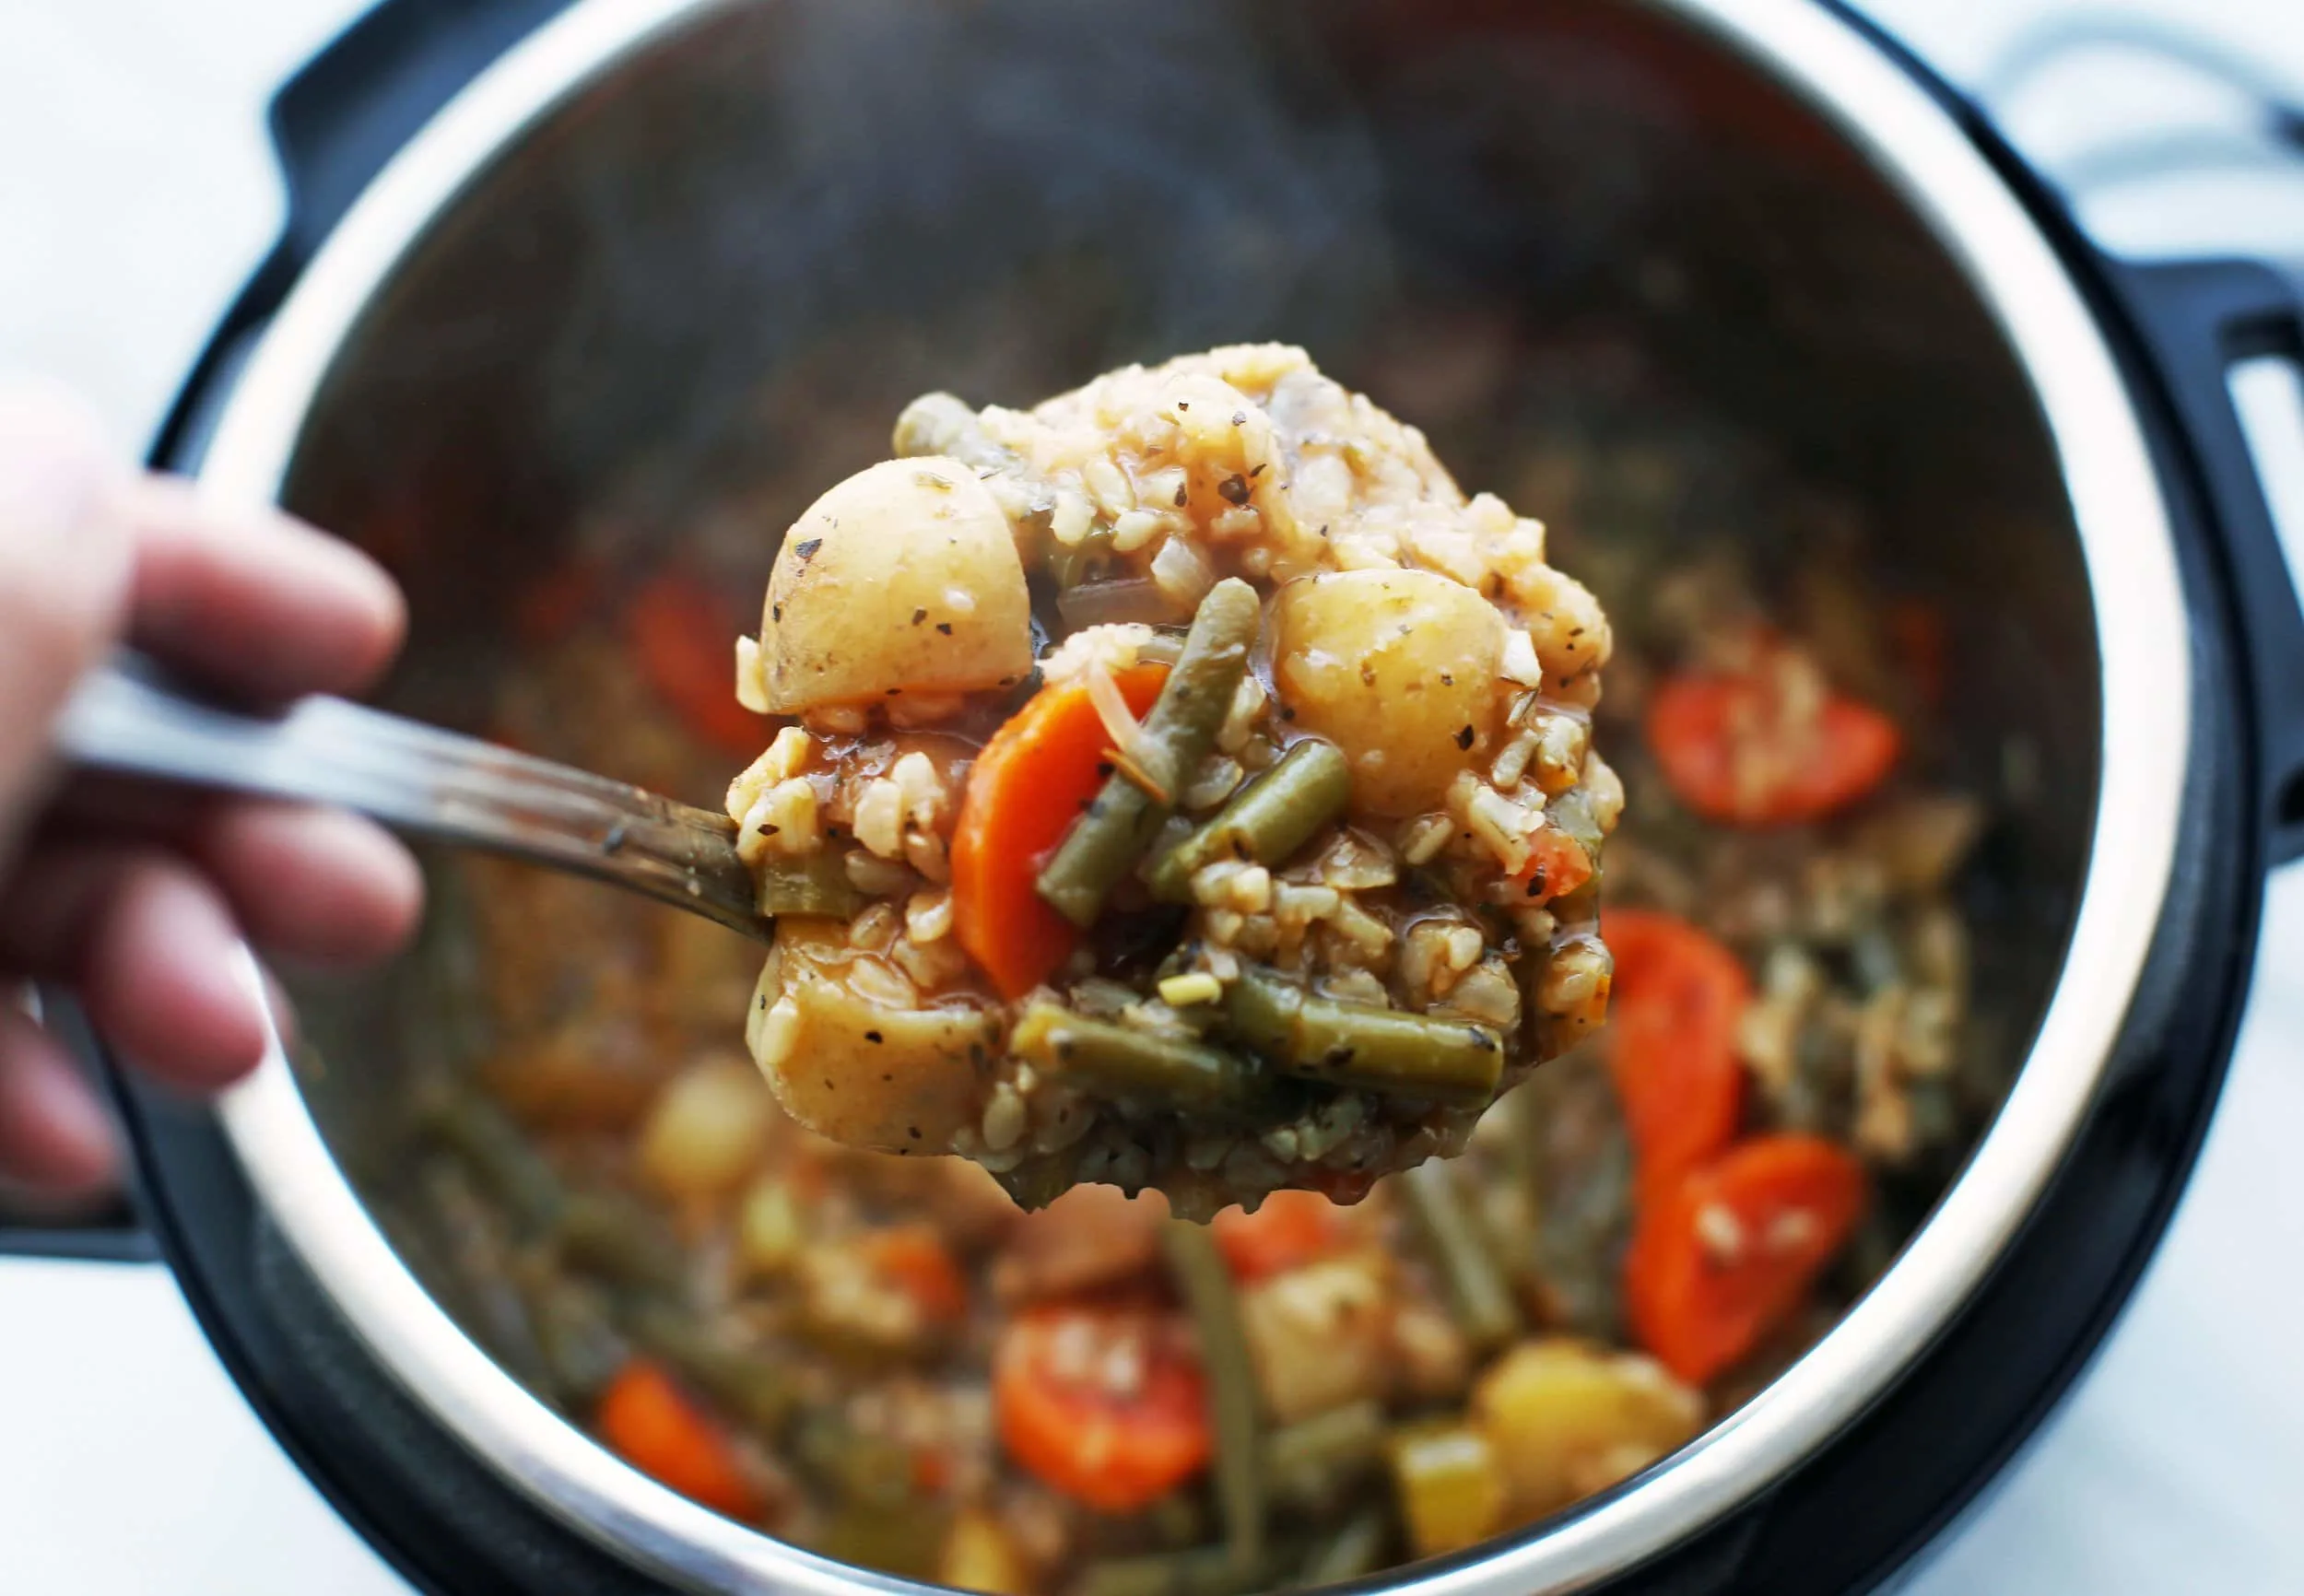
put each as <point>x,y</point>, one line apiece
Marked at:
<point>2132,569</point>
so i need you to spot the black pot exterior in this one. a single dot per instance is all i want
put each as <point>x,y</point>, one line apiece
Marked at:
<point>1844,1520</point>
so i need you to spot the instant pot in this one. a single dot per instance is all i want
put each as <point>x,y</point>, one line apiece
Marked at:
<point>537,254</point>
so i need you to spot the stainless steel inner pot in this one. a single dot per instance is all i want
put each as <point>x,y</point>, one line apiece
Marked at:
<point>612,277</point>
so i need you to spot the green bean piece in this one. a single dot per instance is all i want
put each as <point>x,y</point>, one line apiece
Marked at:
<point>1356,1549</point>
<point>492,1145</point>
<point>1312,1463</point>
<point>1120,1061</point>
<point>1201,1571</point>
<point>1234,1400</point>
<point>1358,1045</point>
<point>1104,844</point>
<point>619,1241</point>
<point>753,1389</point>
<point>1479,1293</point>
<point>1265,821</point>
<point>861,1468</point>
<point>578,1339</point>
<point>808,883</point>
<point>907,1540</point>
<point>472,1234</point>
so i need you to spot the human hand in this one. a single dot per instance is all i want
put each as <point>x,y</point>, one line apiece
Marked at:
<point>138,900</point>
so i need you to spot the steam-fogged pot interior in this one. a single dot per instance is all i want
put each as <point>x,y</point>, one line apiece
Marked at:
<point>700,291</point>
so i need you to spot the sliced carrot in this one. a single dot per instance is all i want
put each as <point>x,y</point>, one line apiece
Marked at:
<point>1738,749</point>
<point>1556,865</point>
<point>1673,1009</point>
<point>1104,1404</point>
<point>932,1471</point>
<point>650,1424</point>
<point>915,1260</point>
<point>549,609</point>
<point>1916,629</point>
<point>1024,791</point>
<point>1735,1246</point>
<point>684,636</point>
<point>1293,1227</point>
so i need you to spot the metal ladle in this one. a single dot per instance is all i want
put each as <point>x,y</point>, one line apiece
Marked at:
<point>130,719</point>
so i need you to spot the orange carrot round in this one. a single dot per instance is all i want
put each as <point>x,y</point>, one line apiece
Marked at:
<point>649,1423</point>
<point>684,636</point>
<point>1024,791</point>
<point>1673,1009</point>
<point>1101,1404</point>
<point>1293,1227</point>
<point>1735,751</point>
<point>915,1260</point>
<point>1731,1250</point>
<point>1556,865</point>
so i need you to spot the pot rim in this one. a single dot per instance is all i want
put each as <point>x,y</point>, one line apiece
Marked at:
<point>1915,146</point>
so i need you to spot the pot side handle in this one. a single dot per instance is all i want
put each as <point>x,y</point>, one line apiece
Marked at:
<point>2227,340</point>
<point>333,124</point>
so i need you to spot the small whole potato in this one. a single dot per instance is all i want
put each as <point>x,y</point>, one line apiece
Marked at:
<point>903,579</point>
<point>850,1065</point>
<point>1568,1418</point>
<point>1398,668</point>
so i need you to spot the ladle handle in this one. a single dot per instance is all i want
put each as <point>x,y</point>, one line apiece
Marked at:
<point>128,719</point>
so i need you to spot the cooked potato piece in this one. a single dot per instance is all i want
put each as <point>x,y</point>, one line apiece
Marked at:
<point>1451,1491</point>
<point>903,579</point>
<point>980,1556</point>
<point>1570,1418</point>
<point>849,1064</point>
<point>1319,1336</point>
<point>706,1129</point>
<point>1398,668</point>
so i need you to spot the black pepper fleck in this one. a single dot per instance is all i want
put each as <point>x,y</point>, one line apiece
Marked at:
<point>874,1037</point>
<point>807,547</point>
<point>1464,738</point>
<point>776,612</point>
<point>919,616</point>
<point>1183,495</point>
<point>1240,418</point>
<point>1234,489</point>
<point>945,626</point>
<point>1259,471</point>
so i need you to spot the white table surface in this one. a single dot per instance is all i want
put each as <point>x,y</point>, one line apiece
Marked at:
<point>135,191</point>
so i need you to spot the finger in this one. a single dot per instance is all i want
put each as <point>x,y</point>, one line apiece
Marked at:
<point>64,580</point>
<point>312,886</point>
<point>52,1134</point>
<point>164,980</point>
<point>153,951</point>
<point>254,600</point>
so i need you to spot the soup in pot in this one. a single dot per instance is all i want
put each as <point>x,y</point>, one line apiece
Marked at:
<point>885,1359</point>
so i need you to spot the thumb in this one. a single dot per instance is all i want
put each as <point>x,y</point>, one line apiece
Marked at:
<point>66,568</point>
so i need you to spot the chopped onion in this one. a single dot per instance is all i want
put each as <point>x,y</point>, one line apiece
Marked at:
<point>1137,599</point>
